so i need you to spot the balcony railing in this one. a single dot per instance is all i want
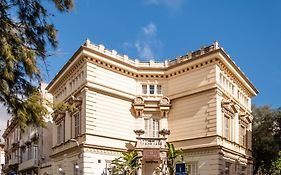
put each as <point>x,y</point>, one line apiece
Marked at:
<point>13,161</point>
<point>151,142</point>
<point>28,164</point>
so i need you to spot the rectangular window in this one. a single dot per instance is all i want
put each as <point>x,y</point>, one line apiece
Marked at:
<point>60,133</point>
<point>76,124</point>
<point>151,89</point>
<point>232,89</point>
<point>35,151</point>
<point>155,128</point>
<point>152,128</point>
<point>29,153</point>
<point>227,168</point>
<point>226,127</point>
<point>192,168</point>
<point>144,89</point>
<point>243,170</point>
<point>159,89</point>
<point>242,135</point>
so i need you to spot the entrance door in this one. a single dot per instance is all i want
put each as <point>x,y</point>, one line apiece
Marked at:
<point>150,168</point>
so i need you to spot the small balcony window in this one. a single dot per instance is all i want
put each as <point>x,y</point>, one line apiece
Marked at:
<point>151,89</point>
<point>159,89</point>
<point>144,89</point>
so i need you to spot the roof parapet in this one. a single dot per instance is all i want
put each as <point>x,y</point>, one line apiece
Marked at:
<point>152,64</point>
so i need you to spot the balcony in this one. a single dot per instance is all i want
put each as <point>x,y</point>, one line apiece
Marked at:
<point>32,163</point>
<point>150,142</point>
<point>13,161</point>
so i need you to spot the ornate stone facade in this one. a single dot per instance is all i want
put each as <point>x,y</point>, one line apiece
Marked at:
<point>200,102</point>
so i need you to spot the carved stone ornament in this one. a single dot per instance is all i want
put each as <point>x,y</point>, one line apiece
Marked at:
<point>164,132</point>
<point>138,101</point>
<point>165,101</point>
<point>139,132</point>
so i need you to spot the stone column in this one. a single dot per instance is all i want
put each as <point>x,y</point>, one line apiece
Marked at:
<point>164,123</point>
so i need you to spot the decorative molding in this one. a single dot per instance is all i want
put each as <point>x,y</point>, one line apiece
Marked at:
<point>161,75</point>
<point>233,78</point>
<point>163,105</point>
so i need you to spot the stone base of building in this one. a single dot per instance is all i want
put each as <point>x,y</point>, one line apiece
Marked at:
<point>216,161</point>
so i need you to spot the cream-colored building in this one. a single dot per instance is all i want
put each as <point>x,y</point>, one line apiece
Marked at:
<point>203,98</point>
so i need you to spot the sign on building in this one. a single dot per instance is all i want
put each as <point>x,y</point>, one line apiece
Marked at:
<point>151,154</point>
<point>180,169</point>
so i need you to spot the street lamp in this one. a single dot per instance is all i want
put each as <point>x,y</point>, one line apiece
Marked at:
<point>61,171</point>
<point>76,166</point>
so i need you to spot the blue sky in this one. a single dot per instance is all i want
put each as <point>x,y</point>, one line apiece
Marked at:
<point>250,32</point>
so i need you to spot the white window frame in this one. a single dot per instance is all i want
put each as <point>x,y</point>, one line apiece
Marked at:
<point>159,89</point>
<point>144,88</point>
<point>152,127</point>
<point>192,168</point>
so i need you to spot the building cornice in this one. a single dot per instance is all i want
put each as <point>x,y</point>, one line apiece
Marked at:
<point>13,123</point>
<point>232,67</point>
<point>98,55</point>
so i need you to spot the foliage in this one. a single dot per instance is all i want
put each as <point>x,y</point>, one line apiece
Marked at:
<point>25,33</point>
<point>173,154</point>
<point>126,164</point>
<point>276,166</point>
<point>61,107</point>
<point>266,138</point>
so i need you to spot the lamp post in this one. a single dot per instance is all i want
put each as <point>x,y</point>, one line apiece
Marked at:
<point>61,171</point>
<point>76,166</point>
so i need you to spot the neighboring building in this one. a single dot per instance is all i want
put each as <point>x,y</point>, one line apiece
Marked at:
<point>2,156</point>
<point>28,151</point>
<point>12,138</point>
<point>203,98</point>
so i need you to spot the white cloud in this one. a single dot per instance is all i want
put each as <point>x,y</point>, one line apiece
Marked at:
<point>144,49</point>
<point>147,43</point>
<point>150,29</point>
<point>170,4</point>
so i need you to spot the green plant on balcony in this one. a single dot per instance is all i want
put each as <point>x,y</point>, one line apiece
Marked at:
<point>127,164</point>
<point>139,132</point>
<point>164,132</point>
